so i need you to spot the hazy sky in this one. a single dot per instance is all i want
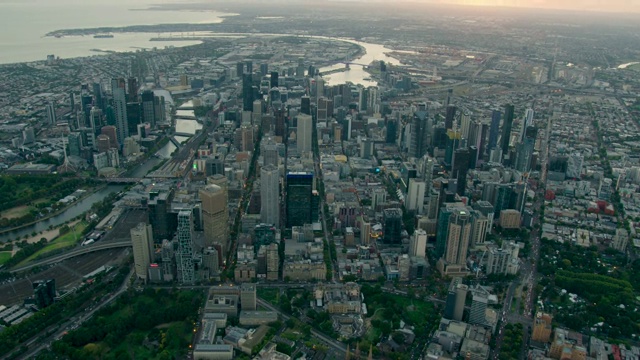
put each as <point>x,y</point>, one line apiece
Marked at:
<point>582,5</point>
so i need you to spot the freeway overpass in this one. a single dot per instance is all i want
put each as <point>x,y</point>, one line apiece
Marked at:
<point>81,250</point>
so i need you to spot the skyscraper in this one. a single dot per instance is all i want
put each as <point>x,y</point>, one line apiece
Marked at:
<point>51,113</point>
<point>478,307</point>
<point>184,255</point>
<point>299,198</point>
<point>392,221</point>
<point>420,134</point>
<point>305,105</point>
<point>525,149</point>
<point>132,87</point>
<point>120,107</point>
<point>142,240</point>
<point>269,153</point>
<point>270,195</point>
<point>305,133</point>
<point>526,122</point>
<point>215,216</point>
<point>247,92</point>
<point>458,235</point>
<point>450,117</point>
<point>506,128</point>
<point>274,80</point>
<point>148,107</point>
<point>159,207</point>
<point>461,162</point>
<point>415,195</point>
<point>418,243</point>
<point>494,129</point>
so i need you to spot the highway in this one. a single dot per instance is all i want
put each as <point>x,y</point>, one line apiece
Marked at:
<point>75,252</point>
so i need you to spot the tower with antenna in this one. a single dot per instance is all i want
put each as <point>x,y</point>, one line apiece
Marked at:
<point>66,166</point>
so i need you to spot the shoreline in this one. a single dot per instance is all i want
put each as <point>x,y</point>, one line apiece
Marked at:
<point>54,214</point>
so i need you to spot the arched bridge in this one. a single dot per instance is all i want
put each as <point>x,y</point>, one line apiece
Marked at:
<point>81,250</point>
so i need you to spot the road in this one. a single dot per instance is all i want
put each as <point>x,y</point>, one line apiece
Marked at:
<point>75,252</point>
<point>44,343</point>
<point>333,344</point>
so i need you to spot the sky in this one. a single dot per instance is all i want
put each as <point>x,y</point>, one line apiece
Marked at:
<point>581,5</point>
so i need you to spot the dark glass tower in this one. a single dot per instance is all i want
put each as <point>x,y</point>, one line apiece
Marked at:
<point>247,92</point>
<point>274,79</point>
<point>392,220</point>
<point>506,128</point>
<point>494,129</point>
<point>299,198</point>
<point>450,117</point>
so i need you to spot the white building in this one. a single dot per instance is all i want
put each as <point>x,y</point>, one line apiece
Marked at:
<point>418,243</point>
<point>415,196</point>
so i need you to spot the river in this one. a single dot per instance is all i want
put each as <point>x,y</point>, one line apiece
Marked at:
<point>79,207</point>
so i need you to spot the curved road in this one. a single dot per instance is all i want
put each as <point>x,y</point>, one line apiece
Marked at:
<point>75,252</point>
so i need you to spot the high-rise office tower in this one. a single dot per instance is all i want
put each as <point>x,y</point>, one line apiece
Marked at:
<point>98,95</point>
<point>269,153</point>
<point>120,108</point>
<point>365,233</point>
<point>392,131</point>
<point>273,262</point>
<point>525,149</point>
<point>132,87</point>
<point>418,243</point>
<point>274,80</point>
<point>159,108</point>
<point>319,88</point>
<point>112,133</point>
<point>458,235</point>
<point>460,169</point>
<point>162,221</point>
<point>270,195</point>
<point>134,117</point>
<point>184,254</point>
<point>392,222</point>
<point>494,130</point>
<point>456,296</point>
<point>305,133</point>
<point>240,69</point>
<point>415,196</point>
<point>450,117</point>
<point>249,65</point>
<point>305,105</point>
<point>279,116</point>
<point>300,68</point>
<point>148,107</point>
<point>142,241</point>
<point>526,122</point>
<point>465,124</point>
<point>215,216</point>
<point>420,134</point>
<point>478,308</point>
<point>300,199</point>
<point>247,92</point>
<point>51,113</point>
<point>264,69</point>
<point>506,128</point>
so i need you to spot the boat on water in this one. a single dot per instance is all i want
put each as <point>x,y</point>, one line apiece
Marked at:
<point>102,36</point>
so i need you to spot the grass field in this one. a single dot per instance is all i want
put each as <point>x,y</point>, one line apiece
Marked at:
<point>16,212</point>
<point>635,67</point>
<point>69,239</point>
<point>4,256</point>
